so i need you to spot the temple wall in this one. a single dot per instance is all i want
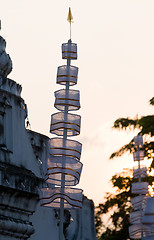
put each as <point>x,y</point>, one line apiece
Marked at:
<point>81,227</point>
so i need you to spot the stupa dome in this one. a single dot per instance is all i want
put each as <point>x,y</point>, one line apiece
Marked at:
<point>5,60</point>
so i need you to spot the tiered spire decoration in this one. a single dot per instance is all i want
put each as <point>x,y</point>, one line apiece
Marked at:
<point>63,164</point>
<point>148,218</point>
<point>138,230</point>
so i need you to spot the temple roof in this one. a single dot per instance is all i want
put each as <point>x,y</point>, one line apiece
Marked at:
<point>5,60</point>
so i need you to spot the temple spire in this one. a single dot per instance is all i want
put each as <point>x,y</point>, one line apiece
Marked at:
<point>69,19</point>
<point>63,165</point>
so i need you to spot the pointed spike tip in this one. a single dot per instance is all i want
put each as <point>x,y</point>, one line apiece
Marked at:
<point>70,17</point>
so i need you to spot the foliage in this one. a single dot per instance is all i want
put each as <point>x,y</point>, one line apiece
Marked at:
<point>118,206</point>
<point>123,123</point>
<point>145,126</point>
<point>151,101</point>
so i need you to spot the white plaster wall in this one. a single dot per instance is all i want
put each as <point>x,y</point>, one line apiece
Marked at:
<point>81,228</point>
<point>23,154</point>
<point>45,224</point>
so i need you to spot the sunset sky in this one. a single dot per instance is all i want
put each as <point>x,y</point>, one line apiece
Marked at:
<point>116,71</point>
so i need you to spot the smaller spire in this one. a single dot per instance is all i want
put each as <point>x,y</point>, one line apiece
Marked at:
<point>69,19</point>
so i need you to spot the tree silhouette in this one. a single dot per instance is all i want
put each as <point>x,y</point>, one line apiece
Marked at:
<point>145,126</point>
<point>118,205</point>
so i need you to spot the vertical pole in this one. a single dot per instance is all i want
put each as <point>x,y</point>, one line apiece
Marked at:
<point>70,30</point>
<point>139,180</point>
<point>139,167</point>
<point>61,236</point>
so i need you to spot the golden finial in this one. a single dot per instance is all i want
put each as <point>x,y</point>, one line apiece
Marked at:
<point>69,19</point>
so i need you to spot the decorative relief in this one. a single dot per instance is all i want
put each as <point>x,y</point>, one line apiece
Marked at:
<point>18,200</point>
